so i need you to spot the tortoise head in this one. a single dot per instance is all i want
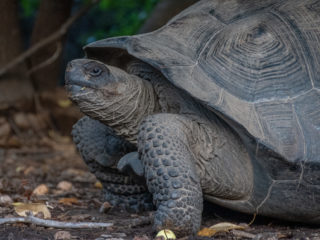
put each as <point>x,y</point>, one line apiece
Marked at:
<point>85,76</point>
<point>92,84</point>
<point>109,94</point>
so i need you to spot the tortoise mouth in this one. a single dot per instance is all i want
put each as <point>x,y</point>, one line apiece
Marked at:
<point>76,82</point>
<point>79,89</point>
<point>81,83</point>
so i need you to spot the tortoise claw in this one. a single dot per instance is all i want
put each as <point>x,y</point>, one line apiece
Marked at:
<point>131,162</point>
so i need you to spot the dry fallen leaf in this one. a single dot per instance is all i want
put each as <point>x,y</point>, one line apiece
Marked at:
<point>22,208</point>
<point>29,171</point>
<point>165,234</point>
<point>68,201</point>
<point>98,184</point>
<point>220,227</point>
<point>42,189</point>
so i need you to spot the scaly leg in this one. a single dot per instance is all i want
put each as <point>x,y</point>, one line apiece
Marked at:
<point>101,150</point>
<point>170,172</point>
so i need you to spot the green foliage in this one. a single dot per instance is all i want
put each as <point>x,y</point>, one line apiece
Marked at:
<point>29,7</point>
<point>119,17</point>
<point>107,19</point>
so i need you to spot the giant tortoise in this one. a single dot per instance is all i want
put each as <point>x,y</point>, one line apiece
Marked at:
<point>222,104</point>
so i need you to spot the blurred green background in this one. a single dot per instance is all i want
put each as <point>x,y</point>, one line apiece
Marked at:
<point>107,19</point>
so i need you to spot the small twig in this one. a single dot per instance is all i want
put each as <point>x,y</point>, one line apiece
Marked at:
<point>253,219</point>
<point>53,37</point>
<point>49,61</point>
<point>53,223</point>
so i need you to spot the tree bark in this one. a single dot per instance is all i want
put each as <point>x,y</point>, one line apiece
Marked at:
<point>15,87</point>
<point>51,15</point>
<point>163,12</point>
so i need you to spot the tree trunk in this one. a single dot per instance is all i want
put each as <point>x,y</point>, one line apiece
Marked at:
<point>15,88</point>
<point>163,12</point>
<point>51,15</point>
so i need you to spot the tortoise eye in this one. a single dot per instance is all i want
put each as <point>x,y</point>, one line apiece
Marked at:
<point>96,71</point>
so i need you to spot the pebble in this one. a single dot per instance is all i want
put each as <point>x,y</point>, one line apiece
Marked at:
<point>65,186</point>
<point>5,200</point>
<point>62,235</point>
<point>21,120</point>
<point>40,190</point>
<point>4,129</point>
<point>105,207</point>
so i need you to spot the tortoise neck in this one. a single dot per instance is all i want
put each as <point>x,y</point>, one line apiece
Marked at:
<point>125,112</point>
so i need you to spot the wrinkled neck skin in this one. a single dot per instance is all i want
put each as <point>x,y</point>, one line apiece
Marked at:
<point>123,111</point>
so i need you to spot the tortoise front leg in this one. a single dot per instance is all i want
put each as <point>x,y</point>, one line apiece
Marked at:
<point>170,172</point>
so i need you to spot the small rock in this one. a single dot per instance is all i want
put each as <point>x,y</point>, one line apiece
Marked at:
<point>42,189</point>
<point>39,215</point>
<point>143,237</point>
<point>2,210</point>
<point>5,200</point>
<point>21,120</point>
<point>106,236</point>
<point>38,121</point>
<point>65,186</point>
<point>266,236</point>
<point>112,238</point>
<point>4,128</point>
<point>1,183</point>
<point>71,173</point>
<point>2,120</point>
<point>119,235</point>
<point>62,235</point>
<point>105,207</point>
<point>81,217</point>
<point>11,236</point>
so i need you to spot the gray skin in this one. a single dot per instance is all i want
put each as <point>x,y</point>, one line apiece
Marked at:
<point>221,104</point>
<point>186,151</point>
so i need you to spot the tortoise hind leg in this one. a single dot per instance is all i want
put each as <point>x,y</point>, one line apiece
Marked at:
<point>97,142</point>
<point>170,173</point>
<point>101,149</point>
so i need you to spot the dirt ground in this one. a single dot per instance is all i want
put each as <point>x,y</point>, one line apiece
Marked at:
<point>30,159</point>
